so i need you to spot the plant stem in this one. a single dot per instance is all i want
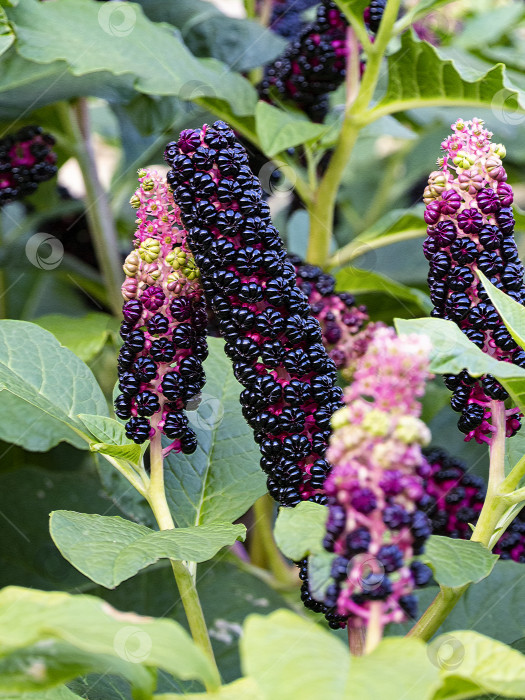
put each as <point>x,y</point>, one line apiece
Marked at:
<point>356,248</point>
<point>356,640</point>
<point>374,630</point>
<point>265,551</point>
<point>250,8</point>
<point>98,210</point>
<point>185,583</point>
<point>321,210</point>
<point>493,510</point>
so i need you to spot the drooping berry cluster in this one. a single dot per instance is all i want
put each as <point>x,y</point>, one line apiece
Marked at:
<point>373,15</point>
<point>26,160</point>
<point>312,66</point>
<point>340,318</point>
<point>454,499</point>
<point>273,341</point>
<point>164,327</point>
<point>286,19</point>
<point>470,228</point>
<point>375,524</point>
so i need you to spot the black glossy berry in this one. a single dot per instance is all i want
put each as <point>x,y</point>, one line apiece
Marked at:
<point>147,403</point>
<point>158,324</point>
<point>181,309</point>
<point>129,384</point>
<point>145,369</point>
<point>175,425</point>
<point>472,417</point>
<point>173,386</point>
<point>188,442</point>
<point>464,250</point>
<point>138,429</point>
<point>123,407</point>
<point>135,340</point>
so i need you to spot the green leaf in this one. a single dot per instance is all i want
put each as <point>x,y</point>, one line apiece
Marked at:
<point>452,351</point>
<point>355,280</point>
<point>110,550</point>
<point>64,634</point>
<point>396,668</point>
<point>61,693</point>
<point>290,657</point>
<point>45,384</point>
<point>419,77</point>
<point>242,689</point>
<point>222,478</point>
<point>278,129</point>
<point>457,562</point>
<point>121,40</point>
<point>319,573</point>
<point>85,336</point>
<point>111,439</point>
<point>512,313</point>
<point>472,663</point>
<point>490,24</point>
<point>7,36</point>
<point>240,43</point>
<point>299,531</point>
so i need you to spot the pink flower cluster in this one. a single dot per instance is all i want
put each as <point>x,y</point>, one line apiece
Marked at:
<point>164,327</point>
<point>375,525</point>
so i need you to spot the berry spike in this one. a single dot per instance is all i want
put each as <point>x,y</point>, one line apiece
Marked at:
<point>312,66</point>
<point>164,327</point>
<point>470,228</point>
<point>26,160</point>
<point>376,526</point>
<point>272,339</point>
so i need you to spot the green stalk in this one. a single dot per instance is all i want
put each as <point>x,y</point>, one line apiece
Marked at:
<point>156,497</point>
<point>356,248</point>
<point>496,503</point>
<point>264,547</point>
<point>321,210</point>
<point>98,211</point>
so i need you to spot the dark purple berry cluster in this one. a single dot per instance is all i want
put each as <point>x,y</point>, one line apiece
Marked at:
<point>312,66</point>
<point>471,228</point>
<point>373,15</point>
<point>272,339</point>
<point>337,313</point>
<point>286,19</point>
<point>454,499</point>
<point>26,160</point>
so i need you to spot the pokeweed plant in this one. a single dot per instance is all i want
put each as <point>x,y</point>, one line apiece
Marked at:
<point>304,379</point>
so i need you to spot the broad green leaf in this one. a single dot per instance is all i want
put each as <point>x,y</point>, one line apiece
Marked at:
<point>516,389</point>
<point>110,550</point>
<point>512,313</point>
<point>118,38</point>
<point>111,439</point>
<point>151,592</point>
<point>242,689</point>
<point>6,33</point>
<point>419,77</point>
<point>397,668</point>
<point>452,351</point>
<point>490,24</point>
<point>240,43</point>
<point>85,336</point>
<point>299,531</point>
<point>278,129</point>
<point>90,627</point>
<point>222,478</point>
<point>290,657</point>
<point>457,562</point>
<point>48,380</point>
<point>469,661</point>
<point>27,86</point>
<point>355,280</point>
<point>61,693</point>
<point>319,573</point>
